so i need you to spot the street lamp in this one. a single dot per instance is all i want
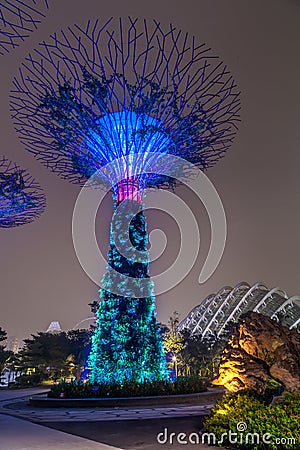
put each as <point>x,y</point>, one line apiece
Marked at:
<point>174,359</point>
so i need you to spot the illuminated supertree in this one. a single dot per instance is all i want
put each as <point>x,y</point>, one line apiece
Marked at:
<point>118,93</point>
<point>17,19</point>
<point>21,198</point>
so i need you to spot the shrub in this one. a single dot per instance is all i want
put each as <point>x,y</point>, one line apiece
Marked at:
<point>281,421</point>
<point>29,380</point>
<point>78,389</point>
<point>273,388</point>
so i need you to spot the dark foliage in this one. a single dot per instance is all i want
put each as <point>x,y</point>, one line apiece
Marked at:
<point>183,385</point>
<point>56,355</point>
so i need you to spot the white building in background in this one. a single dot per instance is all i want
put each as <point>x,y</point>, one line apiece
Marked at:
<point>12,344</point>
<point>54,327</point>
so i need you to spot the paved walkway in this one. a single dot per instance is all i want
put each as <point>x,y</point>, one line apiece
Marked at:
<point>21,408</point>
<point>17,434</point>
<point>99,424</point>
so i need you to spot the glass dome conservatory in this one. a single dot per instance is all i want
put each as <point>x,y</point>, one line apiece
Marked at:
<point>217,310</point>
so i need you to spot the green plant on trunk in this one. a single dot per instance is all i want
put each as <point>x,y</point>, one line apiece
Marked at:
<point>127,345</point>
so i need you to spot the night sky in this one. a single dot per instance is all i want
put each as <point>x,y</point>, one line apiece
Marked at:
<point>258,179</point>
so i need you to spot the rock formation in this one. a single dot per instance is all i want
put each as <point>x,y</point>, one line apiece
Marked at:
<point>260,347</point>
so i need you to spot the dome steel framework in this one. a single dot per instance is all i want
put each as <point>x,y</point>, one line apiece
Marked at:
<point>216,311</point>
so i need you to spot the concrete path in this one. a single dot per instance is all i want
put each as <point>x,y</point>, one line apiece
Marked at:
<point>10,394</point>
<point>17,434</point>
<point>130,428</point>
<point>20,408</point>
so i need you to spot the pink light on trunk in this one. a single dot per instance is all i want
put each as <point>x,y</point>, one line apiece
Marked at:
<point>128,190</point>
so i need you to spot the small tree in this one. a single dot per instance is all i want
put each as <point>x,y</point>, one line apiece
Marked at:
<point>80,348</point>
<point>174,344</point>
<point>56,355</point>
<point>46,353</point>
<point>201,354</point>
<point>6,356</point>
<point>3,335</point>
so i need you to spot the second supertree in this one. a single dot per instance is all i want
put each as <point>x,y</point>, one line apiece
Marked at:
<point>21,198</point>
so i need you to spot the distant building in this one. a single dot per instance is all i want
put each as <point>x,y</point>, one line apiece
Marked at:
<point>216,311</point>
<point>54,327</point>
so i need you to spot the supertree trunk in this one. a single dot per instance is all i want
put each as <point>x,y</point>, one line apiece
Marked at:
<point>127,344</point>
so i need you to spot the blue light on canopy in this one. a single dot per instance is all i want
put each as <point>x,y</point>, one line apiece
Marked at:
<point>126,133</point>
<point>123,133</point>
<point>131,76</point>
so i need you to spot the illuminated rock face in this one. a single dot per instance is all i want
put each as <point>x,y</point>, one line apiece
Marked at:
<point>259,348</point>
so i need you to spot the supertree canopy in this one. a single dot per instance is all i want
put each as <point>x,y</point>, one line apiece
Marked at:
<point>17,19</point>
<point>124,88</point>
<point>21,198</point>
